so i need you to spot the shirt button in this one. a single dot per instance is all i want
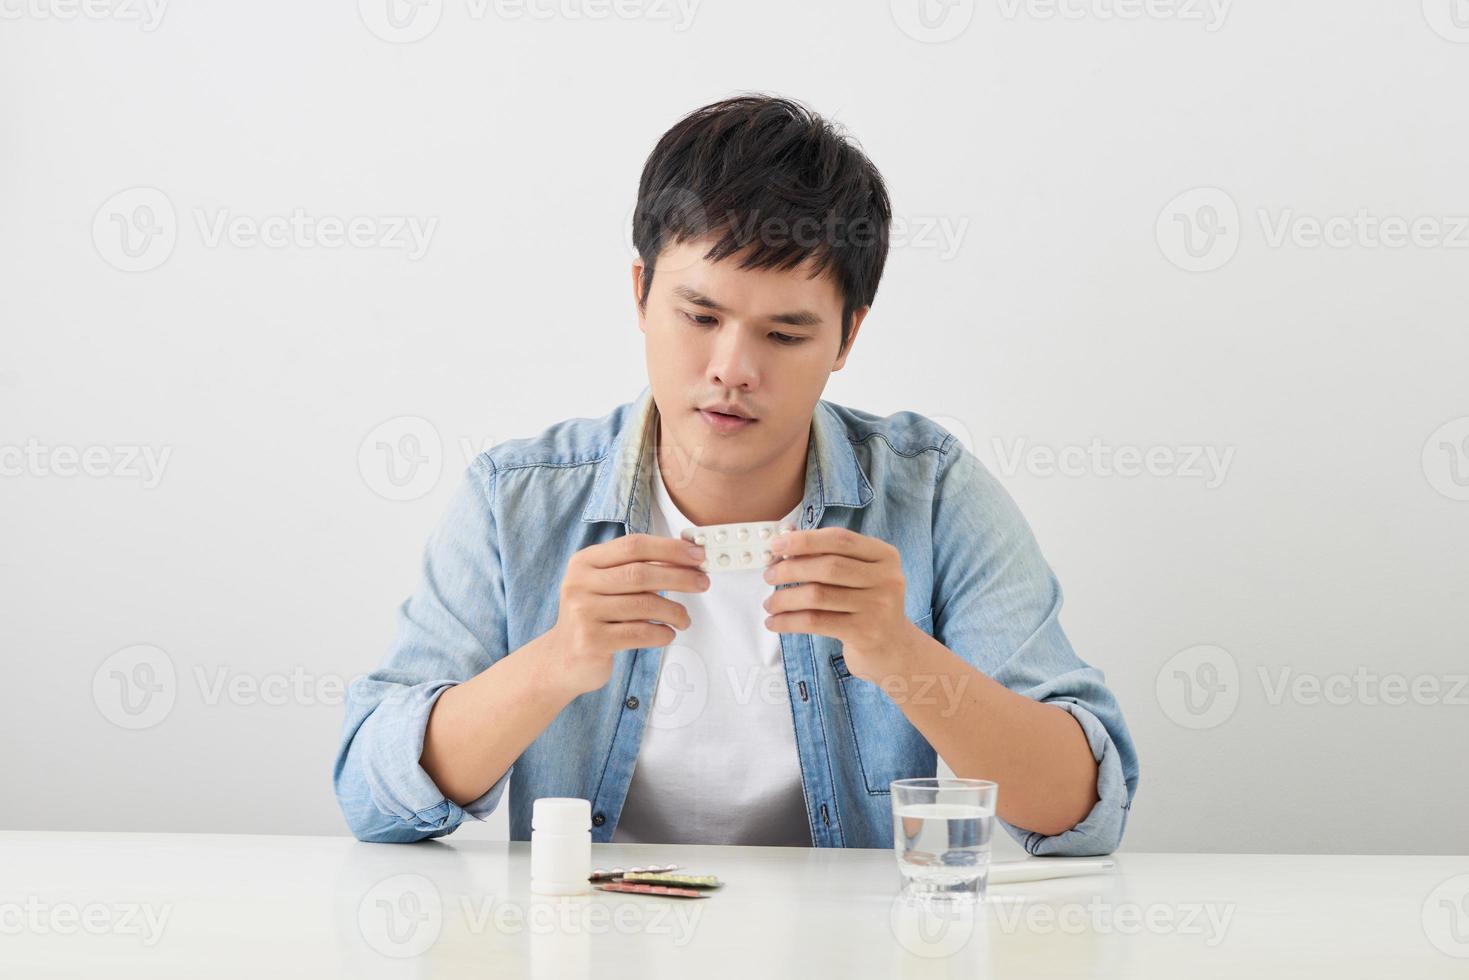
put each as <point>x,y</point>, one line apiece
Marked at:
<point>809,512</point>
<point>598,820</point>
<point>632,703</point>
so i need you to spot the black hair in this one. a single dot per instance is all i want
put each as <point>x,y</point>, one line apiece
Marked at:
<point>757,170</point>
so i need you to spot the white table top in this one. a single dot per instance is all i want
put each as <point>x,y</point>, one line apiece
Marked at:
<point>159,905</point>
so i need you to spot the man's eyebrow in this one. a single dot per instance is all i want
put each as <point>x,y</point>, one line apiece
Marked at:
<point>798,318</point>
<point>696,297</point>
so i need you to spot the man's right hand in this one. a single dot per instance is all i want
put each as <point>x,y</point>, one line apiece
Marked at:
<point>608,597</point>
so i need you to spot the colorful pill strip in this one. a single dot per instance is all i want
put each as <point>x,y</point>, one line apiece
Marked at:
<point>642,889</point>
<point>608,874</point>
<point>682,881</point>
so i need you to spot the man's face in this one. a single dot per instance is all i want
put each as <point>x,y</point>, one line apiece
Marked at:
<point>762,340</point>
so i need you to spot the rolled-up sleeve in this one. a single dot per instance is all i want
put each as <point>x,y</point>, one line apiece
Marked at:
<point>449,629</point>
<point>997,604</point>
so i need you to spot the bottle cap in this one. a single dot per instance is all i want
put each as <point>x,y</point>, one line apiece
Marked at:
<point>561,814</point>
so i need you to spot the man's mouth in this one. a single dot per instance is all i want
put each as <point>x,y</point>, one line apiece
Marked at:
<point>724,421</point>
<point>728,409</point>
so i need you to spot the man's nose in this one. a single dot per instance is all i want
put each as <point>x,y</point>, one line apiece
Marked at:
<point>733,362</point>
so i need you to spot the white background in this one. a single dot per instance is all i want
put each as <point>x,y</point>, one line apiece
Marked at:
<point>1040,296</point>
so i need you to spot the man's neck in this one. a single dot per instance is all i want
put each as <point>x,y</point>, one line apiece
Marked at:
<point>708,497</point>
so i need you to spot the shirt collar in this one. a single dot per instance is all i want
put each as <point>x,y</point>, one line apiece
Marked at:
<point>623,488</point>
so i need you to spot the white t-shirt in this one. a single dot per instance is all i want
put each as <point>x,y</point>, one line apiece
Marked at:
<point>717,763</point>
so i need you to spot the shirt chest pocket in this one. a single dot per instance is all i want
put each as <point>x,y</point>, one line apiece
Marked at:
<point>886,744</point>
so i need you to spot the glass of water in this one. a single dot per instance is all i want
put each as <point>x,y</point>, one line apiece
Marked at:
<point>941,833</point>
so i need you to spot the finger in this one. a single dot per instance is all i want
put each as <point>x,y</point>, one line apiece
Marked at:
<point>832,541</point>
<point>644,547</point>
<point>832,569</point>
<point>642,576</point>
<point>639,608</point>
<point>815,596</point>
<point>633,636</point>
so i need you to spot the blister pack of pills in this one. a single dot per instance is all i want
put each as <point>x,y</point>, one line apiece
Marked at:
<point>736,547</point>
<point>641,889</point>
<point>669,878</point>
<point>609,874</point>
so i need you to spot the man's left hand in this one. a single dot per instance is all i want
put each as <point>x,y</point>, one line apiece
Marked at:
<point>852,589</point>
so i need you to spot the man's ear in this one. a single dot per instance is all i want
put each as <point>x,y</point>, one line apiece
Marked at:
<point>858,315</point>
<point>637,291</point>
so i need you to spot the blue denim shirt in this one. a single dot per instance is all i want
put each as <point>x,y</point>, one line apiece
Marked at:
<point>490,582</point>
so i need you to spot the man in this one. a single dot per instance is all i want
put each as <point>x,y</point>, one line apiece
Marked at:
<point>564,642</point>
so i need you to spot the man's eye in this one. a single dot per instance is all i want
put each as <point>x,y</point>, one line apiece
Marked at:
<point>705,320</point>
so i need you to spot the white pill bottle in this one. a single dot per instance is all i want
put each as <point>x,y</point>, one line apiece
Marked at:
<point>560,845</point>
